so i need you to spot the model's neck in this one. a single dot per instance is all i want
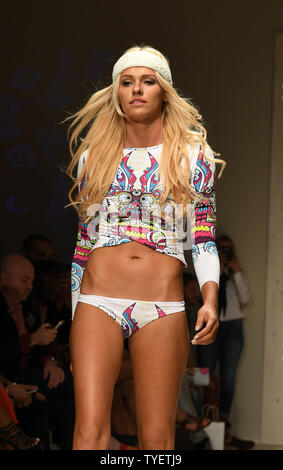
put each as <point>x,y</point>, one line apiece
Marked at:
<point>143,134</point>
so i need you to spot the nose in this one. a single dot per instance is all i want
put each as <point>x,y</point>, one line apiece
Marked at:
<point>30,285</point>
<point>137,87</point>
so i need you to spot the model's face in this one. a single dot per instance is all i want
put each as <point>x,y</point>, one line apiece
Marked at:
<point>140,95</point>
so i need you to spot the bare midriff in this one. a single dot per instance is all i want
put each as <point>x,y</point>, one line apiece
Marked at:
<point>133,271</point>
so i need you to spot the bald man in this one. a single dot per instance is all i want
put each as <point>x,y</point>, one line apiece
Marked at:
<point>16,280</point>
<point>16,277</point>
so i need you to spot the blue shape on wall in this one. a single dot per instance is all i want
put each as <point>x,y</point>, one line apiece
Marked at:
<point>100,61</point>
<point>12,207</point>
<point>56,95</point>
<point>21,156</point>
<point>24,78</point>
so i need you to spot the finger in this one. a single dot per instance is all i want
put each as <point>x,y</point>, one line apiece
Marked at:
<point>52,380</point>
<point>40,396</point>
<point>27,402</point>
<point>206,342</point>
<point>210,324</point>
<point>208,338</point>
<point>61,377</point>
<point>51,337</point>
<point>58,381</point>
<point>200,322</point>
<point>50,384</point>
<point>30,387</point>
<point>26,395</point>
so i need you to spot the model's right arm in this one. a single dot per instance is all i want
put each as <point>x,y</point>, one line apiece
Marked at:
<point>82,250</point>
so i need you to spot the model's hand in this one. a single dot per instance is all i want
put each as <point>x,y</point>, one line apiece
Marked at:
<point>56,374</point>
<point>206,314</point>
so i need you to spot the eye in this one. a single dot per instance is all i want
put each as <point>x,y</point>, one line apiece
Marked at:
<point>126,82</point>
<point>124,198</point>
<point>150,82</point>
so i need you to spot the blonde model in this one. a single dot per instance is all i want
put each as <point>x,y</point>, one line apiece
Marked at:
<point>142,160</point>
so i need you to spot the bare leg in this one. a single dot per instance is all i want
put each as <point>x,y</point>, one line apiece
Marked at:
<point>159,353</point>
<point>96,344</point>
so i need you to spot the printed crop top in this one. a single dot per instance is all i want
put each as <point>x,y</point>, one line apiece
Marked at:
<point>130,211</point>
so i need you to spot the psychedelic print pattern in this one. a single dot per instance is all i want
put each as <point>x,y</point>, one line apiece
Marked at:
<point>130,211</point>
<point>132,315</point>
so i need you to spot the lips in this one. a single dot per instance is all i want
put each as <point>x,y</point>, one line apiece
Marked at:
<point>136,101</point>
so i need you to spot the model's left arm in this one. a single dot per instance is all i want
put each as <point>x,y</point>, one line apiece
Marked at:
<point>204,251</point>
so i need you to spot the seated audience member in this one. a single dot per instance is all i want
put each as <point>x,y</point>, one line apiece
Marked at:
<point>16,277</point>
<point>26,407</point>
<point>38,247</point>
<point>10,432</point>
<point>50,303</point>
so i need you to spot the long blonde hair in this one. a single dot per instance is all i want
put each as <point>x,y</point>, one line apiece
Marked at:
<point>103,123</point>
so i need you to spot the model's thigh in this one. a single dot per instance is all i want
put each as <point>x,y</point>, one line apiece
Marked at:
<point>159,353</point>
<point>96,345</point>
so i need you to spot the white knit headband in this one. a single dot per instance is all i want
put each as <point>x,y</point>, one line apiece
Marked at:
<point>142,59</point>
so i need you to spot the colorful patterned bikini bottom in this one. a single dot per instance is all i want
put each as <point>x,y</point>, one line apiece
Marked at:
<point>132,315</point>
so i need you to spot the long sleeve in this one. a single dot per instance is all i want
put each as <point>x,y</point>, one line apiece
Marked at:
<point>203,224</point>
<point>82,251</point>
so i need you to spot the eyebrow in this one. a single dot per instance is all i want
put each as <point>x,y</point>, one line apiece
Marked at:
<point>132,76</point>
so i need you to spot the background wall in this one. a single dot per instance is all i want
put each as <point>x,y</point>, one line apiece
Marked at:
<point>221,55</point>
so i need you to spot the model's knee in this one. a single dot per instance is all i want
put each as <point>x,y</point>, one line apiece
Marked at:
<point>157,438</point>
<point>90,436</point>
